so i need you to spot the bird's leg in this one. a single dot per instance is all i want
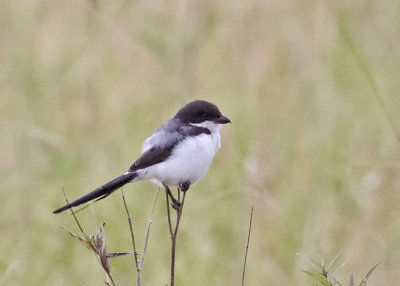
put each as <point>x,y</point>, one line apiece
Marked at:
<point>184,186</point>
<point>175,204</point>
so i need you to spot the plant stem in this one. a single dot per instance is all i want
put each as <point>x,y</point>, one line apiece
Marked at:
<point>247,245</point>
<point>147,235</point>
<point>132,238</point>
<point>174,233</point>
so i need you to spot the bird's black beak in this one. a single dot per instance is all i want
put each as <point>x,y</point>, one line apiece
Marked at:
<point>223,120</point>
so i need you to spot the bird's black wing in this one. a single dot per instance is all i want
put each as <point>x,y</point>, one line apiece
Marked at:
<point>152,156</point>
<point>160,145</point>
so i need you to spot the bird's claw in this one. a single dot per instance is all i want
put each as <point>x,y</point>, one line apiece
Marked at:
<point>184,186</point>
<point>176,205</point>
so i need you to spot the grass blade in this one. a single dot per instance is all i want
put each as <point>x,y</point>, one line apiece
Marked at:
<point>364,281</point>
<point>333,260</point>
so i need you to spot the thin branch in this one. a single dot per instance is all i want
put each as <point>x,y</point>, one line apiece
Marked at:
<point>179,213</point>
<point>72,212</point>
<point>168,214</point>
<point>131,230</point>
<point>174,233</point>
<point>247,245</point>
<point>150,221</point>
<point>110,278</point>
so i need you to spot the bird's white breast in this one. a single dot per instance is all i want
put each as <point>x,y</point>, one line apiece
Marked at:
<point>189,161</point>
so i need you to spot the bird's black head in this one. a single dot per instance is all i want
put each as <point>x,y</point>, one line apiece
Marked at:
<point>199,111</point>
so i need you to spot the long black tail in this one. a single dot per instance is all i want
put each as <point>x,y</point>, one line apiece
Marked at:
<point>101,192</point>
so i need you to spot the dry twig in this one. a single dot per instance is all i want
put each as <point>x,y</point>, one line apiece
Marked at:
<point>247,245</point>
<point>174,231</point>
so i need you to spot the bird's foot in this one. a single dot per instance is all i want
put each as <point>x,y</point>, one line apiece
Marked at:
<point>184,186</point>
<point>176,205</point>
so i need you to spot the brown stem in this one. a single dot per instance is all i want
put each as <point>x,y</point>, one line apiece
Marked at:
<point>169,214</point>
<point>132,236</point>
<point>247,245</point>
<point>174,233</point>
<point>150,221</point>
<point>111,279</point>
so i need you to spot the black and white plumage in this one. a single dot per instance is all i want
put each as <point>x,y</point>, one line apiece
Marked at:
<point>178,154</point>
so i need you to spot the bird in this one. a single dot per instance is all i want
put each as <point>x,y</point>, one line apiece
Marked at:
<point>178,153</point>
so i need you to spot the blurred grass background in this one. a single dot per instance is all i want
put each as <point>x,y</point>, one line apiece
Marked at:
<point>311,146</point>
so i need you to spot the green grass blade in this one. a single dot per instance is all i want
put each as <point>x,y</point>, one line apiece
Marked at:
<point>333,260</point>
<point>317,276</point>
<point>314,263</point>
<point>364,281</point>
